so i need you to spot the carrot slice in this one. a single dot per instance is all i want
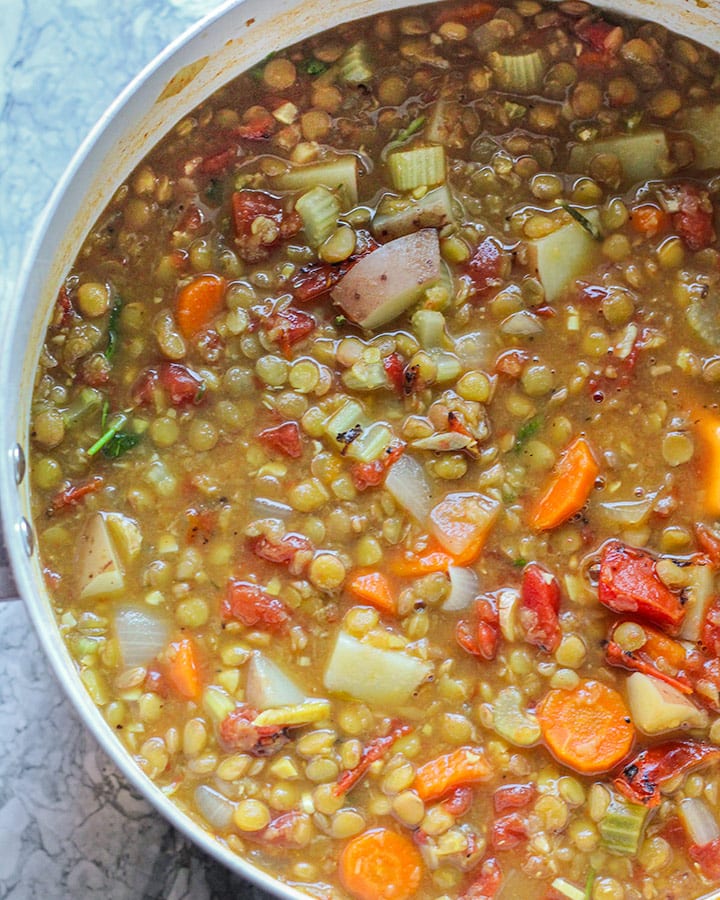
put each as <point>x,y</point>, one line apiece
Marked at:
<point>440,775</point>
<point>374,588</point>
<point>708,430</point>
<point>649,220</point>
<point>413,565</point>
<point>461,523</point>
<point>587,728</point>
<point>198,302</point>
<point>182,668</point>
<point>569,486</point>
<point>380,864</point>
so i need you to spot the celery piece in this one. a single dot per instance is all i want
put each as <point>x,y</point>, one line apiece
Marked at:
<point>370,444</point>
<point>336,173</point>
<point>521,73</point>
<point>702,123</point>
<point>568,889</point>
<point>512,720</point>
<point>217,703</point>
<point>622,825</point>
<point>319,209</point>
<point>422,166</point>
<point>447,366</point>
<point>643,154</point>
<point>87,400</point>
<point>355,65</point>
<point>365,376</point>
<point>349,416</point>
<point>398,216</point>
<point>560,257</point>
<point>429,328</point>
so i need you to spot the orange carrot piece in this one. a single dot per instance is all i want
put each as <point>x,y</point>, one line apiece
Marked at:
<point>462,522</point>
<point>380,864</point>
<point>198,302</point>
<point>649,220</point>
<point>569,486</point>
<point>476,12</point>
<point>660,646</point>
<point>374,588</point>
<point>587,728</point>
<point>437,777</point>
<point>708,430</point>
<point>414,565</point>
<point>182,668</point>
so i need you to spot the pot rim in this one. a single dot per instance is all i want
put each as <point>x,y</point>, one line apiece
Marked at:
<point>703,24</point>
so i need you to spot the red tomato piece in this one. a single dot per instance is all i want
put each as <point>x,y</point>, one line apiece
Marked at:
<point>708,858</point>
<point>540,605</point>
<point>513,796</point>
<point>693,219</point>
<point>629,583</point>
<point>238,733</point>
<point>292,550</point>
<point>284,438</point>
<point>254,607</point>
<point>394,366</point>
<point>288,327</point>
<point>182,385</point>
<point>710,634</point>
<point>511,362</point>
<point>509,832</point>
<point>485,266</point>
<point>459,801</point>
<point>365,475</point>
<point>486,884</point>
<point>72,494</point>
<point>479,636</point>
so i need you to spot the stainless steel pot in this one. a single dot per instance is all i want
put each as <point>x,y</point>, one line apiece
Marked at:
<point>221,46</point>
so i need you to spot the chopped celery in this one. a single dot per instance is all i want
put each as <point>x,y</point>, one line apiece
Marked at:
<point>355,65</point>
<point>87,400</point>
<point>422,166</point>
<point>521,73</point>
<point>622,825</point>
<point>349,416</point>
<point>371,443</point>
<point>512,720</point>
<point>397,216</point>
<point>336,173</point>
<point>447,365</point>
<point>702,123</point>
<point>643,154</point>
<point>319,209</point>
<point>429,327</point>
<point>568,889</point>
<point>404,134</point>
<point>217,703</point>
<point>365,375</point>
<point>562,256</point>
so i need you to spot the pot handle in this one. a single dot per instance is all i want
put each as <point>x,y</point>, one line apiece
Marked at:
<point>8,591</point>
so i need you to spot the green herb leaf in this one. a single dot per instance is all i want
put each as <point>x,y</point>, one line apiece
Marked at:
<point>589,226</point>
<point>526,431</point>
<point>590,881</point>
<point>404,134</point>
<point>113,330</point>
<point>109,433</point>
<point>120,443</point>
<point>313,66</point>
<point>519,563</point>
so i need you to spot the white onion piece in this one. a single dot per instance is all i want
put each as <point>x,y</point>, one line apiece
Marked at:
<point>477,350</point>
<point>215,808</point>
<point>626,513</point>
<point>264,508</point>
<point>508,603</point>
<point>464,588</point>
<point>407,483</point>
<point>141,633</point>
<point>698,820</point>
<point>268,686</point>
<point>522,323</point>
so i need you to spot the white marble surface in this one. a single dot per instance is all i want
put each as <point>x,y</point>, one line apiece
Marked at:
<point>70,827</point>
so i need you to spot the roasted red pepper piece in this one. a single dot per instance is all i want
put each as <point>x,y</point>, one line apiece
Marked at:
<point>486,883</point>
<point>72,494</point>
<point>629,583</point>
<point>626,659</point>
<point>539,608</point>
<point>254,607</point>
<point>708,858</point>
<point>485,267</point>
<point>513,796</point>
<point>285,438</point>
<point>372,751</point>
<point>642,778</point>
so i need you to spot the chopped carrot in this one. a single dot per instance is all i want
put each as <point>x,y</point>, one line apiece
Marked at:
<point>708,429</point>
<point>461,523</point>
<point>569,486</point>
<point>437,777</point>
<point>381,864</point>
<point>414,565</point>
<point>197,302</point>
<point>182,668</point>
<point>587,728</point>
<point>660,646</point>
<point>476,12</point>
<point>649,220</point>
<point>374,588</point>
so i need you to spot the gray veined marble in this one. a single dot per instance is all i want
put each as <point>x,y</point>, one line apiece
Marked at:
<point>70,827</point>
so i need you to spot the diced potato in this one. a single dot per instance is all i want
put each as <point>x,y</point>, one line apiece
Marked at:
<point>643,155</point>
<point>388,281</point>
<point>126,535</point>
<point>371,674</point>
<point>657,707</point>
<point>99,571</point>
<point>562,256</point>
<point>703,125</point>
<point>398,216</point>
<point>268,686</point>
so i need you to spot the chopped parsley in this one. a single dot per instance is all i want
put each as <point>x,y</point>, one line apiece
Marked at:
<point>113,329</point>
<point>527,431</point>
<point>313,66</point>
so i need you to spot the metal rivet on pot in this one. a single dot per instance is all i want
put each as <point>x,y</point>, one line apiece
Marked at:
<point>26,536</point>
<point>17,458</point>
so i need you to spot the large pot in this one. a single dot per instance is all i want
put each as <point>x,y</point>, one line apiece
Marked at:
<point>218,48</point>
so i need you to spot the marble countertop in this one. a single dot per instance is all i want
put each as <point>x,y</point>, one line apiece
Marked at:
<point>70,826</point>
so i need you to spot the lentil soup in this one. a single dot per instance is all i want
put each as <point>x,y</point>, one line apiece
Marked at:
<point>376,459</point>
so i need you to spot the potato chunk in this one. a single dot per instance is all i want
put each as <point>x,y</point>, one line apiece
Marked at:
<point>657,707</point>
<point>99,571</point>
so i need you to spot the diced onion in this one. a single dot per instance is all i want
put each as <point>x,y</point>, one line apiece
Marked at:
<point>698,820</point>
<point>407,483</point>
<point>627,512</point>
<point>522,323</point>
<point>477,350</point>
<point>464,588</point>
<point>263,508</point>
<point>215,808</point>
<point>141,634</point>
<point>508,603</point>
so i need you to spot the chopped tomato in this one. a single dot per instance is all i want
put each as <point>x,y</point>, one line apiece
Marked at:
<point>261,222</point>
<point>72,494</point>
<point>284,438</point>
<point>540,605</point>
<point>710,634</point>
<point>629,583</point>
<point>458,801</point>
<point>511,362</point>
<point>485,266</point>
<point>254,607</point>
<point>486,883</point>
<point>708,543</point>
<point>181,385</point>
<point>394,366</point>
<point>707,856</point>
<point>292,550</point>
<point>365,475</point>
<point>513,796</point>
<point>316,279</point>
<point>258,125</point>
<point>600,35</point>
<point>479,636</point>
<point>238,733</point>
<point>693,215</point>
<point>509,831</point>
<point>289,326</point>
<point>201,525</point>
<point>374,750</point>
